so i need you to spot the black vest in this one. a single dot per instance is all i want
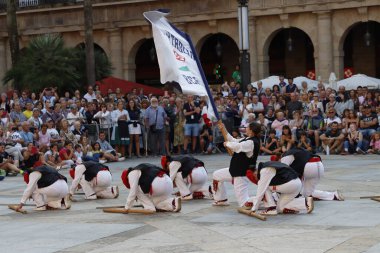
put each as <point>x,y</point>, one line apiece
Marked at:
<point>148,173</point>
<point>92,169</point>
<point>284,173</point>
<point>49,176</point>
<point>240,163</point>
<point>301,157</point>
<point>188,163</point>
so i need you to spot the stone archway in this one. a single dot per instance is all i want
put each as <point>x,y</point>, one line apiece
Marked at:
<point>147,69</point>
<point>361,48</point>
<point>97,48</point>
<point>218,49</point>
<point>291,53</point>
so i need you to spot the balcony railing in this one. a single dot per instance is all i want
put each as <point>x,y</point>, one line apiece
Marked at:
<point>33,3</point>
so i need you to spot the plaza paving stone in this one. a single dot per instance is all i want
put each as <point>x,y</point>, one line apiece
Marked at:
<point>335,226</point>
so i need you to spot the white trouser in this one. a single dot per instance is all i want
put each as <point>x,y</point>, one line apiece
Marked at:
<point>66,164</point>
<point>240,186</point>
<point>161,196</point>
<point>197,181</point>
<point>288,192</point>
<point>312,174</point>
<point>51,195</point>
<point>268,200</point>
<point>15,152</point>
<point>99,185</point>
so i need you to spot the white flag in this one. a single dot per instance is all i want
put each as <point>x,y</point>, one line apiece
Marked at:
<point>177,58</point>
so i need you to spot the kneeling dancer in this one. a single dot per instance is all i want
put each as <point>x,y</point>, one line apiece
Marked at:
<point>246,151</point>
<point>151,186</point>
<point>310,169</point>
<point>95,180</point>
<point>47,188</point>
<point>189,175</point>
<point>280,178</point>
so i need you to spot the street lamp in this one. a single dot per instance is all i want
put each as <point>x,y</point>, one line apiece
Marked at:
<point>244,44</point>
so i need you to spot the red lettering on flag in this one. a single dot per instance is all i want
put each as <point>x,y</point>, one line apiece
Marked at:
<point>178,57</point>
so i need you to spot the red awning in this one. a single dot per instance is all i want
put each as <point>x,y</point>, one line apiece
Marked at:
<point>125,86</point>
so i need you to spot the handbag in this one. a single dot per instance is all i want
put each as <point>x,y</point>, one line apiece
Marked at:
<point>153,128</point>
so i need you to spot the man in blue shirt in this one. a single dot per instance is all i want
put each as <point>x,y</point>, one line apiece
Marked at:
<point>26,135</point>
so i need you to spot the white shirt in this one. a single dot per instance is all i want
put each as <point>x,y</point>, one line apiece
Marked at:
<point>79,170</point>
<point>104,118</point>
<point>115,115</point>
<point>266,175</point>
<point>236,146</point>
<point>71,117</point>
<point>89,97</point>
<point>336,119</point>
<point>173,169</point>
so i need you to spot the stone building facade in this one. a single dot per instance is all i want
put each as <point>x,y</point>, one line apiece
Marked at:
<point>120,30</point>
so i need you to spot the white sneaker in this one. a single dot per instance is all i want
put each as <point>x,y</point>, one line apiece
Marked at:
<point>120,159</point>
<point>92,197</point>
<point>338,196</point>
<point>41,208</point>
<point>221,203</point>
<point>102,161</point>
<point>67,201</point>
<point>177,205</point>
<point>309,204</point>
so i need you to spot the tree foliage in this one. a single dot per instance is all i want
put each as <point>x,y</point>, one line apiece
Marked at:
<point>45,62</point>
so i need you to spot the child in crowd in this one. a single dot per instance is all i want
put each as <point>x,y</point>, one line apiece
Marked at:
<point>374,145</point>
<point>272,145</point>
<point>304,142</point>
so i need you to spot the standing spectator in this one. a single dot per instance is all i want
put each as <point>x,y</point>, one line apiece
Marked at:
<point>293,105</point>
<point>16,114</point>
<point>236,74</point>
<point>332,139</point>
<point>192,113</point>
<point>90,95</point>
<point>104,118</point>
<point>120,135</point>
<point>90,112</point>
<point>134,128</point>
<point>368,122</point>
<point>243,109</point>
<point>179,123</point>
<point>291,87</point>
<point>155,123</point>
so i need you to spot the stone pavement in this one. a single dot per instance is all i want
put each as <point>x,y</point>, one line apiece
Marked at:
<point>349,226</point>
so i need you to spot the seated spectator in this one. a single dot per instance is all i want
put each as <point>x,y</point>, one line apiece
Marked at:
<point>78,130</point>
<point>66,134</point>
<point>28,110</point>
<point>25,133</point>
<point>245,123</point>
<point>374,145</point>
<point>263,121</point>
<point>35,120</point>
<point>368,122</point>
<point>331,117</point>
<point>296,124</point>
<point>271,145</point>
<point>67,154</point>
<point>256,107</point>
<point>279,123</point>
<point>293,105</point>
<point>43,139</point>
<point>206,139</point>
<point>354,142</point>
<point>52,158</point>
<point>55,138</point>
<point>316,104</point>
<point>109,153</point>
<point>332,139</point>
<point>304,142</point>
<point>11,148</point>
<point>315,127</point>
<point>7,161</point>
<point>81,156</point>
<point>286,141</point>
<point>16,114</point>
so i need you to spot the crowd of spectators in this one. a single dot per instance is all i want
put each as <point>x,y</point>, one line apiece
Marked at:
<point>63,129</point>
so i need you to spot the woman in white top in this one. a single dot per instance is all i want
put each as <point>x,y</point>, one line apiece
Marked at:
<point>316,104</point>
<point>243,109</point>
<point>120,138</point>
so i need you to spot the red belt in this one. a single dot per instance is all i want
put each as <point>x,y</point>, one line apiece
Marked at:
<point>314,160</point>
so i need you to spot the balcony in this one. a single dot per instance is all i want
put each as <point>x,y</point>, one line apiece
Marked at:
<point>22,4</point>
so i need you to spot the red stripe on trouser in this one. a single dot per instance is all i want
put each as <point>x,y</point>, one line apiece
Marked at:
<point>314,160</point>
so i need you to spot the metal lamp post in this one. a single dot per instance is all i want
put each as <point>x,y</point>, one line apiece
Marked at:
<point>245,69</point>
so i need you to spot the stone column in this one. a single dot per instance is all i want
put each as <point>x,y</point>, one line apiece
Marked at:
<point>116,49</point>
<point>325,51</point>
<point>253,49</point>
<point>263,66</point>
